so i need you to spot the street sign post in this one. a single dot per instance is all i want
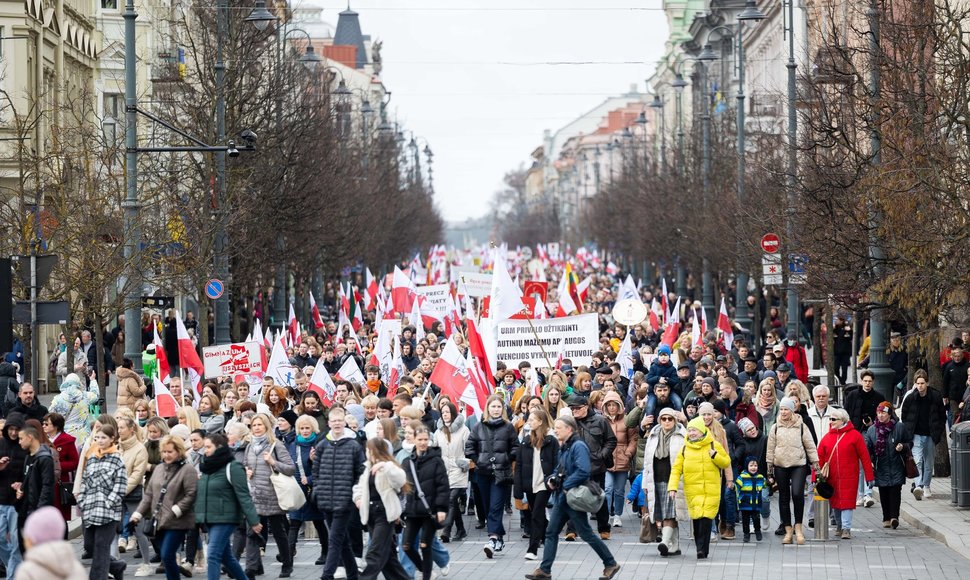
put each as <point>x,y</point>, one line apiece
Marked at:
<point>796,268</point>
<point>770,243</point>
<point>771,269</point>
<point>214,288</point>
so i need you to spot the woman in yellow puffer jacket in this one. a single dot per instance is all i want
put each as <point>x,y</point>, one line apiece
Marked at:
<point>700,462</point>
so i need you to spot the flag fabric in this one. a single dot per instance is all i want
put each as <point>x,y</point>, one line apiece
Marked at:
<point>663,300</point>
<point>189,358</point>
<point>582,289</point>
<point>453,377</point>
<point>625,356</point>
<point>654,316</point>
<point>670,334</point>
<point>612,269</point>
<point>402,291</point>
<point>164,370</point>
<point>268,339</point>
<point>370,291</point>
<point>397,371</point>
<point>628,290</point>
<point>505,298</point>
<point>322,384</point>
<point>165,404</point>
<point>724,325</point>
<point>414,318</point>
<point>293,327</point>
<point>315,313</point>
<point>349,371</point>
<point>476,346</point>
<point>279,367</point>
<point>568,298</point>
<point>695,329</point>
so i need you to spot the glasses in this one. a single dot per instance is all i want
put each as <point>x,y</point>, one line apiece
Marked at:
<point>834,420</point>
<point>666,419</point>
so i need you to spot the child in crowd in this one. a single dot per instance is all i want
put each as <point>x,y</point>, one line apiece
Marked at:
<point>749,486</point>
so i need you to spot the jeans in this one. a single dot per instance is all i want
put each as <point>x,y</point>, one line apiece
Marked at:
<point>9,545</point>
<point>863,488</point>
<point>765,503</point>
<point>171,541</point>
<point>923,451</point>
<point>420,530</point>
<point>843,518</point>
<point>615,491</point>
<point>561,512</point>
<point>103,537</point>
<point>380,554</point>
<point>140,537</point>
<point>651,405</point>
<point>339,551</point>
<point>729,505</point>
<point>439,555</point>
<point>494,497</point>
<point>220,552</point>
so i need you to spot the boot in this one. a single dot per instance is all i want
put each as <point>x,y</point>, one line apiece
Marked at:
<point>674,541</point>
<point>788,533</point>
<point>665,542</point>
<point>799,536</point>
<point>292,535</point>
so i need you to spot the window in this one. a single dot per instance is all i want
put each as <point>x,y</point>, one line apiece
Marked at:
<point>113,105</point>
<point>109,4</point>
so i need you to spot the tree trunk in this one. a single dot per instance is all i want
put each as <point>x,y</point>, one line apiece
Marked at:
<point>99,356</point>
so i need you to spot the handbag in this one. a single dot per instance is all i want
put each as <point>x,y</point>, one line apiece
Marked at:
<point>910,463</point>
<point>150,527</point>
<point>289,493</point>
<point>586,497</point>
<point>65,490</point>
<point>648,530</point>
<point>823,473</point>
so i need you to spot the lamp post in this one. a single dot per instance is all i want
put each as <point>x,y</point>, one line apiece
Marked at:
<point>220,248</point>
<point>429,156</point>
<point>707,284</point>
<point>132,205</point>
<point>679,84</point>
<point>791,181</point>
<point>658,106</point>
<point>749,14</point>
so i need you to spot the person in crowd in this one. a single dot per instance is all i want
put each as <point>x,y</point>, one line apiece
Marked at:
<point>572,469</point>
<point>623,456</point>
<point>265,456</point>
<point>37,488</point>
<point>338,465</point>
<point>750,485</point>
<point>143,412</point>
<point>377,495</point>
<point>427,506</point>
<point>12,458</point>
<point>210,414</point>
<point>26,403</point>
<point>490,448</point>
<point>450,438</point>
<point>861,403</point>
<point>842,449</point>
<point>73,402</point>
<point>222,503</point>
<point>103,487</point>
<point>169,499</point>
<point>790,453</point>
<point>131,387</point>
<point>888,440</point>
<point>663,444</point>
<point>535,461</point>
<point>599,438</point>
<point>67,455</point>
<point>189,417</point>
<point>767,404</point>
<point>700,463</point>
<point>135,457</point>
<point>285,429</point>
<point>955,376</point>
<point>301,450</point>
<point>48,556</point>
<point>924,414</point>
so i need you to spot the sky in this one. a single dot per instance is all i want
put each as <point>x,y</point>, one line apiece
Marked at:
<point>481,80</point>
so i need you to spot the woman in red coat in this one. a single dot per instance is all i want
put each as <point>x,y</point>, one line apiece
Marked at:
<point>843,448</point>
<point>66,447</point>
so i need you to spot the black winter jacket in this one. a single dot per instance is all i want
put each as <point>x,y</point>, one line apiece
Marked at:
<point>14,471</point>
<point>38,486</point>
<point>601,440</point>
<point>433,477</point>
<point>861,405</point>
<point>955,379</point>
<point>524,457</point>
<point>735,443</point>
<point>336,468</point>
<point>912,403</point>
<point>491,444</point>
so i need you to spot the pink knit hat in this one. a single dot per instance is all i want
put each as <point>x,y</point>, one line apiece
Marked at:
<point>45,525</point>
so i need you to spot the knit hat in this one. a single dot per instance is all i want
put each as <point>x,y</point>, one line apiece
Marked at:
<point>289,416</point>
<point>181,431</point>
<point>710,381</point>
<point>667,411</point>
<point>744,424</point>
<point>749,459</point>
<point>664,349</point>
<point>885,407</point>
<point>44,525</point>
<point>788,403</point>
<point>720,406</point>
<point>697,423</point>
<point>705,407</point>
<point>18,420</point>
<point>352,409</point>
<point>71,381</point>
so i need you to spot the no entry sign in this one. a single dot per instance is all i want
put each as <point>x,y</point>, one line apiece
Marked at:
<point>770,243</point>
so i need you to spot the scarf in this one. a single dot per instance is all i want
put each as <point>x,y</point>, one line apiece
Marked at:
<point>221,457</point>
<point>305,440</point>
<point>882,435</point>
<point>663,444</point>
<point>765,401</point>
<point>260,444</point>
<point>98,452</point>
<point>142,422</point>
<point>373,386</point>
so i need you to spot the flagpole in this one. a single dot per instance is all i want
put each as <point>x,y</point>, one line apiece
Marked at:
<point>539,342</point>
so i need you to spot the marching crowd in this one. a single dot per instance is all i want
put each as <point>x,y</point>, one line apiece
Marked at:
<point>711,432</point>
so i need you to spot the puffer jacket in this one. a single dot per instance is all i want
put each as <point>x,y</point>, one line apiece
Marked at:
<point>525,462</point>
<point>453,452</point>
<point>51,561</point>
<point>599,437</point>
<point>843,449</point>
<point>73,403</point>
<point>38,484</point>
<point>219,500</point>
<point>14,472</point>
<point>889,468</point>
<point>626,438</point>
<point>135,456</point>
<point>131,388</point>
<point>262,488</point>
<point>658,371</point>
<point>176,511</point>
<point>388,482</point>
<point>573,465</point>
<point>212,423</point>
<point>701,472</point>
<point>790,444</point>
<point>336,468</point>
<point>491,445</point>
<point>433,480</point>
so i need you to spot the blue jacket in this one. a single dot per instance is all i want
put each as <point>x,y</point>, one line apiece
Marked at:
<point>749,491</point>
<point>637,495</point>
<point>657,371</point>
<point>573,465</point>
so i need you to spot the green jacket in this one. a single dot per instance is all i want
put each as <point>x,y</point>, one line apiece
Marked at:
<point>632,421</point>
<point>218,502</point>
<point>149,365</point>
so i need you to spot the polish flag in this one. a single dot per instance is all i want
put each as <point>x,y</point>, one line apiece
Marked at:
<point>724,325</point>
<point>415,319</point>
<point>370,292</point>
<point>402,291</point>
<point>322,384</point>
<point>165,404</point>
<point>505,299</point>
<point>268,339</point>
<point>612,269</point>
<point>161,358</point>
<point>663,299</point>
<point>397,371</point>
<point>453,377</point>
<point>315,312</point>
<point>294,327</point>
<point>349,371</point>
<point>189,358</point>
<point>695,330</point>
<point>583,289</point>
<point>654,317</point>
<point>567,304</point>
<point>670,334</point>
<point>476,347</point>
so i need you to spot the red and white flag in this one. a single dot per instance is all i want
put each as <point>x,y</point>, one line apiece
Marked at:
<point>695,330</point>
<point>506,298</point>
<point>164,370</point>
<point>724,325</point>
<point>189,358</point>
<point>293,327</point>
<point>322,384</point>
<point>279,367</point>
<point>415,319</point>
<point>663,299</point>
<point>397,371</point>
<point>654,316</point>
<point>402,291</point>
<point>165,404</point>
<point>476,346</point>
<point>370,292</point>
<point>453,377</point>
<point>612,269</point>
<point>671,332</point>
<point>349,371</point>
<point>315,312</point>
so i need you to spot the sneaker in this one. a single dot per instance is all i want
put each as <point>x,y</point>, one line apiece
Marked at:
<point>571,537</point>
<point>764,523</point>
<point>122,545</point>
<point>610,571</point>
<point>927,494</point>
<point>490,548</point>
<point>617,522</point>
<point>499,545</point>
<point>539,574</point>
<point>869,502</point>
<point>132,544</point>
<point>361,563</point>
<point>340,573</point>
<point>185,568</point>
<point>144,570</point>
<point>846,534</point>
<point>859,502</point>
<point>530,556</point>
<point>444,571</point>
<point>918,492</point>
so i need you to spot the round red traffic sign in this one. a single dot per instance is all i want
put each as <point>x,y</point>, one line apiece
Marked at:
<point>770,243</point>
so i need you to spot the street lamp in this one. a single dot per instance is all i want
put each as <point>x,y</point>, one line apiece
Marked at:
<point>793,314</point>
<point>260,17</point>
<point>430,156</point>
<point>707,284</point>
<point>658,105</point>
<point>679,84</point>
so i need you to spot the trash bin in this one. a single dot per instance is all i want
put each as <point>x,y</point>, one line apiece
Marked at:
<point>960,464</point>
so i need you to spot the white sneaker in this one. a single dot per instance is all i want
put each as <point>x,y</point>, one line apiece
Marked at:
<point>859,502</point>
<point>617,522</point>
<point>927,494</point>
<point>340,573</point>
<point>444,571</point>
<point>144,570</point>
<point>918,492</point>
<point>122,545</point>
<point>361,563</point>
<point>869,502</point>
<point>530,556</point>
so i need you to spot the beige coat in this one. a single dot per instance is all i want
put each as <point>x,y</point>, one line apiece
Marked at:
<point>136,462</point>
<point>131,388</point>
<point>51,561</point>
<point>790,443</point>
<point>388,482</point>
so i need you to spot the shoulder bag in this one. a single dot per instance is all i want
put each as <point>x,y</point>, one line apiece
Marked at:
<point>150,527</point>
<point>586,497</point>
<point>289,494</point>
<point>65,491</point>
<point>823,488</point>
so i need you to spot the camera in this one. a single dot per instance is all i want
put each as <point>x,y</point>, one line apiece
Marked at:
<point>553,481</point>
<point>231,150</point>
<point>248,136</point>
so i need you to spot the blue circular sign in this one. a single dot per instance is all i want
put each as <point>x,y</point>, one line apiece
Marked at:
<point>214,288</point>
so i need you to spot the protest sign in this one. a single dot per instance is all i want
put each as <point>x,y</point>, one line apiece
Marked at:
<point>577,336</point>
<point>229,360</point>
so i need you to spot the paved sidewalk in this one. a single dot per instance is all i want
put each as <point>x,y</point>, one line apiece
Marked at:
<point>938,518</point>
